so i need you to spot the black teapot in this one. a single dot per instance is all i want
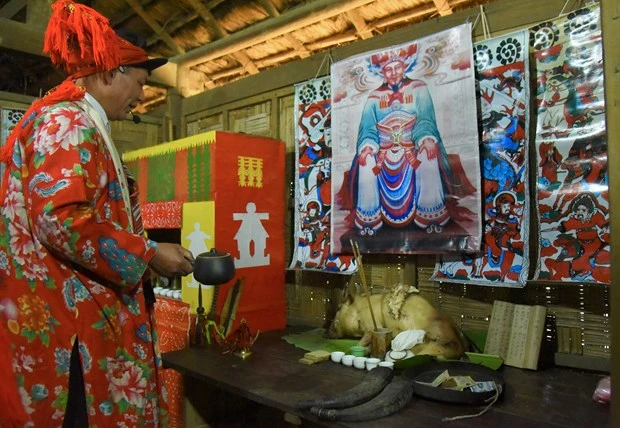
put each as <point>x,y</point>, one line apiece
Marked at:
<point>214,268</point>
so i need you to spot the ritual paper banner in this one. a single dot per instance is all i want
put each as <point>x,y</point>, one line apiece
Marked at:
<point>198,236</point>
<point>571,147</point>
<point>503,87</point>
<point>232,189</point>
<point>406,168</point>
<point>313,193</point>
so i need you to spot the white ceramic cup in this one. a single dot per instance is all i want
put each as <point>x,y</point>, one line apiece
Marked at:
<point>371,363</point>
<point>359,362</point>
<point>336,356</point>
<point>347,360</point>
<point>388,364</point>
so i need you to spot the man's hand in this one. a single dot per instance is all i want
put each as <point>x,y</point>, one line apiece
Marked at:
<point>366,151</point>
<point>430,145</point>
<point>172,260</point>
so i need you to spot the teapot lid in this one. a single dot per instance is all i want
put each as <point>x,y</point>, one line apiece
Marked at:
<point>213,253</point>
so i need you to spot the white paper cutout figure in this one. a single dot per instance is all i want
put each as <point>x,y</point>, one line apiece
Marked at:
<point>251,231</point>
<point>197,245</point>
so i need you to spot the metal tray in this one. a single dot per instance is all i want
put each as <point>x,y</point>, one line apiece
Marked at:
<point>428,372</point>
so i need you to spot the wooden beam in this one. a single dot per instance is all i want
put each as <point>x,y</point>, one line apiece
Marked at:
<point>21,37</point>
<point>166,75</point>
<point>206,15</point>
<point>12,8</point>
<point>416,12</point>
<point>336,39</point>
<point>299,17</point>
<point>246,62</point>
<point>298,46</point>
<point>349,36</point>
<point>269,8</point>
<point>427,9</point>
<point>443,7</point>
<point>172,25</point>
<point>38,12</point>
<point>135,5</point>
<point>508,15</point>
<point>363,30</point>
<point>129,13</point>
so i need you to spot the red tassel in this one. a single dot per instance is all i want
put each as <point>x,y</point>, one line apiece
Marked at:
<point>78,37</point>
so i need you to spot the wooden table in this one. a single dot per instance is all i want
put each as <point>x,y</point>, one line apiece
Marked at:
<point>272,377</point>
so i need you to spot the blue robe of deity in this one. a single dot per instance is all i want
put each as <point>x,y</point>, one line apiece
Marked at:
<point>399,184</point>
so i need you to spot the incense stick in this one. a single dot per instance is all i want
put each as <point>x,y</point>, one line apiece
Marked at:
<point>358,259</point>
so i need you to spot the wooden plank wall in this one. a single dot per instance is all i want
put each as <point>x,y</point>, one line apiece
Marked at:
<point>129,136</point>
<point>126,134</point>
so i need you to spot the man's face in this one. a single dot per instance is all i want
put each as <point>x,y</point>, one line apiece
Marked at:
<point>126,91</point>
<point>393,72</point>
<point>581,212</point>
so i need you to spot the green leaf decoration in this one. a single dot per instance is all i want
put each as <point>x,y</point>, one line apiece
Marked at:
<point>61,400</point>
<point>31,335</point>
<point>45,338</point>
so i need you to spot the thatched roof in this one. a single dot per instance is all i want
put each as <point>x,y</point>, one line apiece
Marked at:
<point>222,41</point>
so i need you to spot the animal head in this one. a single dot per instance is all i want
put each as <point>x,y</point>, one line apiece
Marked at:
<point>345,318</point>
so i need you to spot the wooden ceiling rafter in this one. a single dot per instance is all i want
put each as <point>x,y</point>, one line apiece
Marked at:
<point>240,56</point>
<point>120,20</point>
<point>137,7</point>
<point>282,30</point>
<point>362,28</point>
<point>416,13</point>
<point>173,25</point>
<point>299,17</point>
<point>12,8</point>
<point>298,46</point>
<point>336,39</point>
<point>443,7</point>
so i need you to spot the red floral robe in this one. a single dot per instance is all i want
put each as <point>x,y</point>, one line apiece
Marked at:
<point>71,267</point>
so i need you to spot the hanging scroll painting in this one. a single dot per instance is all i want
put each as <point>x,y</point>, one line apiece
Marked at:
<point>571,147</point>
<point>406,168</point>
<point>313,192</point>
<point>502,74</point>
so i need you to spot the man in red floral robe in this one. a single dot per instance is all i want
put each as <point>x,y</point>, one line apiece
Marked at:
<point>75,311</point>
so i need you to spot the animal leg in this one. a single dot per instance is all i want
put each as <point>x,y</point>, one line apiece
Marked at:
<point>365,340</point>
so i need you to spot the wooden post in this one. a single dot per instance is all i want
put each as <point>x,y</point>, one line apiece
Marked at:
<point>610,19</point>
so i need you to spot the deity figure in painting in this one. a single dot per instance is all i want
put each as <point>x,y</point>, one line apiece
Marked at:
<point>400,173</point>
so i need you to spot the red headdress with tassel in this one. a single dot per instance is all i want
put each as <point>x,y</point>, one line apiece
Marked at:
<point>81,41</point>
<point>79,38</point>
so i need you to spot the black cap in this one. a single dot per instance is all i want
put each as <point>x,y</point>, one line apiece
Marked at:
<point>137,40</point>
<point>150,64</point>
